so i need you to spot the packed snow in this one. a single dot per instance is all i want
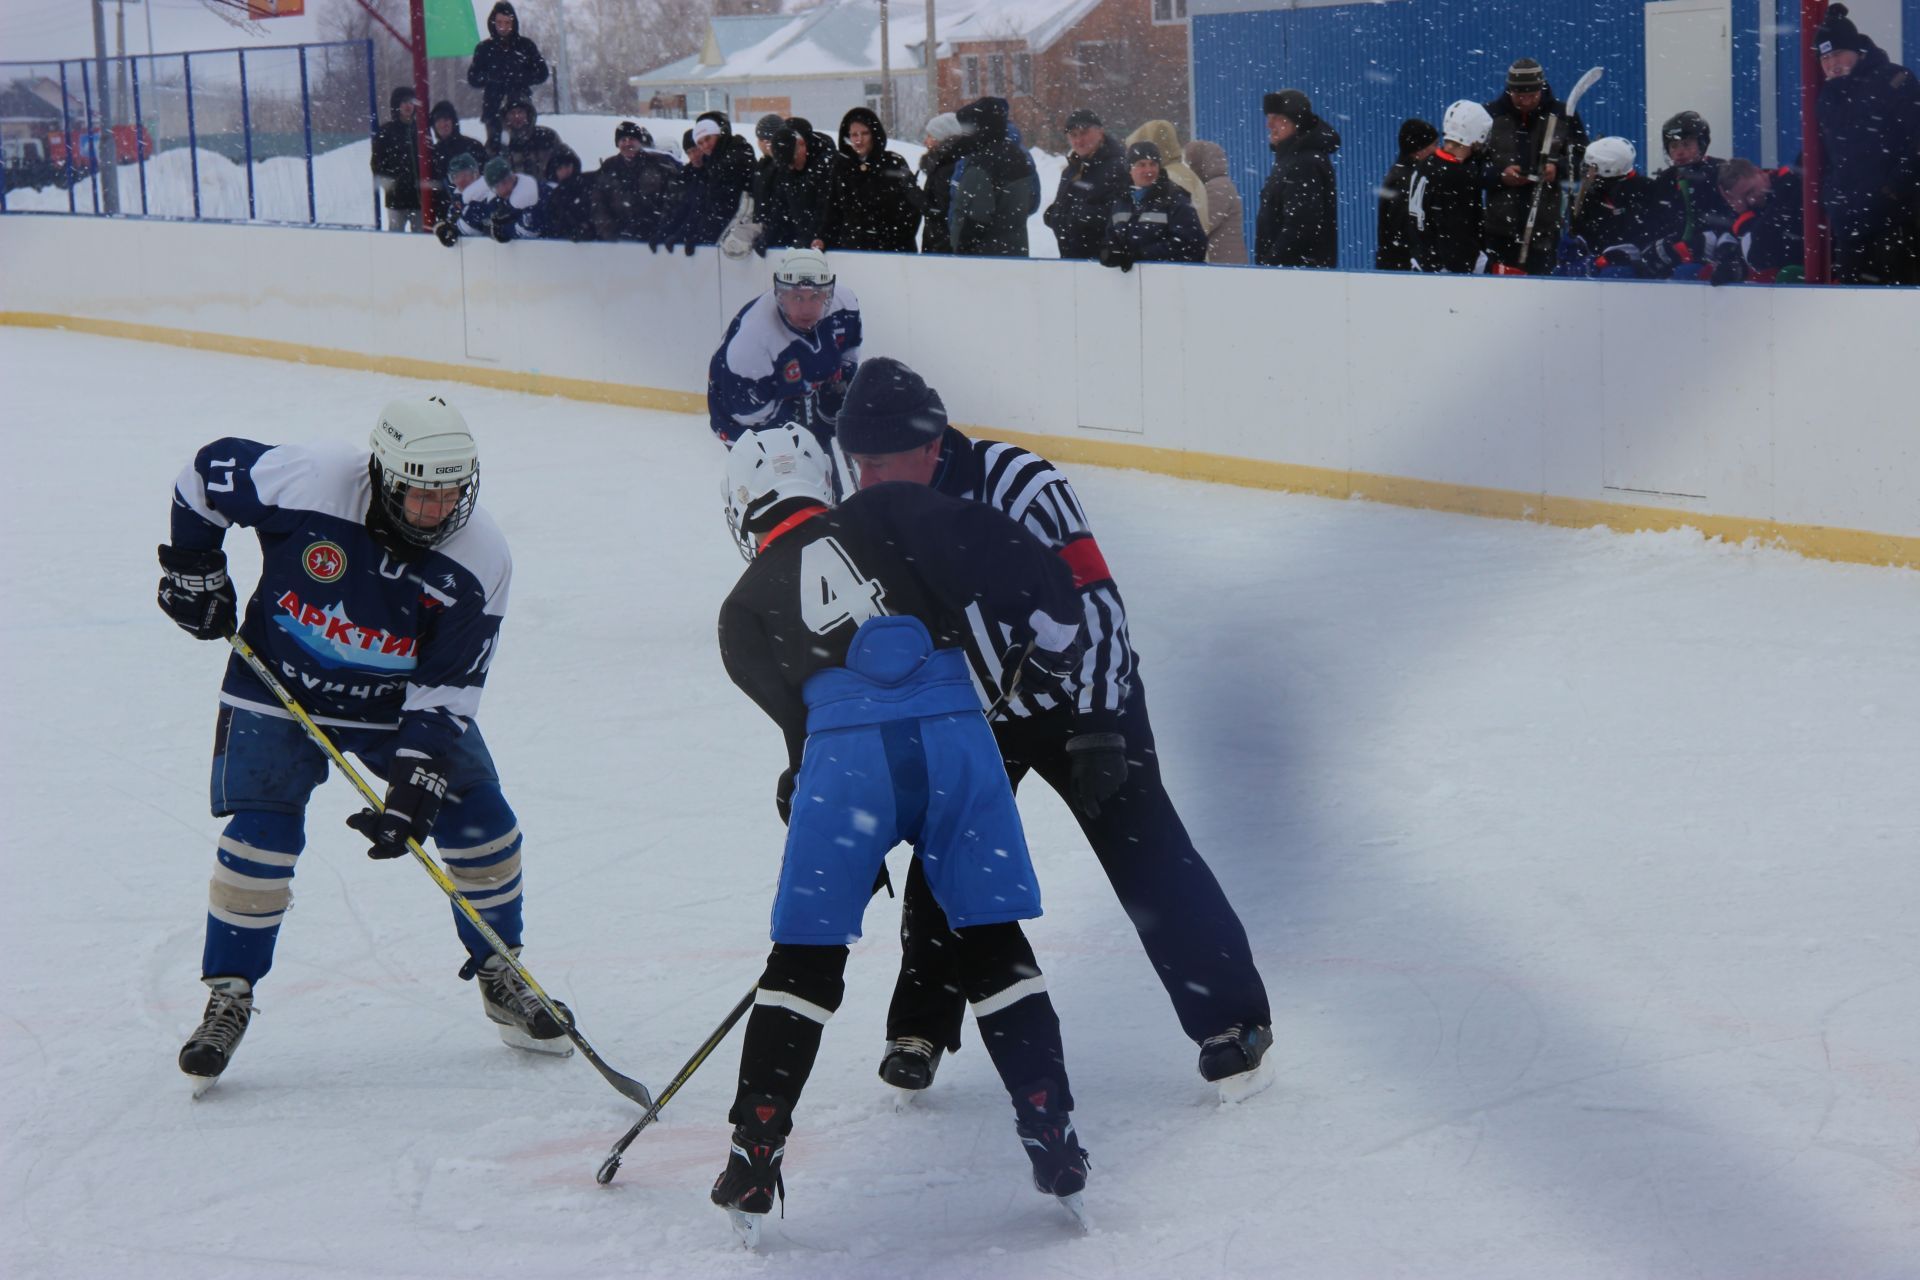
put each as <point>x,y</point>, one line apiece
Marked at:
<point>1581,868</point>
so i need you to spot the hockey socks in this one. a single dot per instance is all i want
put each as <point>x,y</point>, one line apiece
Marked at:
<point>1012,1010</point>
<point>799,991</point>
<point>248,896</point>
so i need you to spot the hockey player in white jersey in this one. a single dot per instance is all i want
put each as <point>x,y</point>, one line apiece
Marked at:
<point>788,355</point>
<point>382,589</point>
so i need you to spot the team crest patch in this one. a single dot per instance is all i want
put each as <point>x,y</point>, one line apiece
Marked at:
<point>324,561</point>
<point>792,372</point>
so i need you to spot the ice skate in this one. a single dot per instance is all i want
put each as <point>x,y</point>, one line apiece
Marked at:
<point>523,1021</point>
<point>909,1065</point>
<point>211,1046</point>
<point>746,1188</point>
<point>1233,1061</point>
<point>1060,1163</point>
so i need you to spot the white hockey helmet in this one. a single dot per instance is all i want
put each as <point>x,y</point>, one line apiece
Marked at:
<point>1611,157</point>
<point>803,267</point>
<point>423,443</point>
<point>1466,121</point>
<point>768,468</point>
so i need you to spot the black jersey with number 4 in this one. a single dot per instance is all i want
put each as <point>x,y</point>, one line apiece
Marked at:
<point>894,549</point>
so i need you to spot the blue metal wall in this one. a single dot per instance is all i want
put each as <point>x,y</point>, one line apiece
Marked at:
<point>1367,67</point>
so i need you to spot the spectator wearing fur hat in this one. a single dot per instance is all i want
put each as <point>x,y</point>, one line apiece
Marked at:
<point>872,202</point>
<point>942,140</point>
<point>1298,224</point>
<point>636,190</point>
<point>1515,167</point>
<point>1154,221</point>
<point>1095,176</point>
<point>1869,111</point>
<point>396,162</point>
<point>1393,249</point>
<point>1226,215</point>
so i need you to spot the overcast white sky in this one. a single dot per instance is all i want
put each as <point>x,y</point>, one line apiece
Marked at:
<point>64,28</point>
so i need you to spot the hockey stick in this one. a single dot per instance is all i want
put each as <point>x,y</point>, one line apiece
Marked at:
<point>1585,83</point>
<point>611,1164</point>
<point>626,1086</point>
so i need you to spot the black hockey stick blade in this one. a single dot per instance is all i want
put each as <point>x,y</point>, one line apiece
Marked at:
<point>611,1165</point>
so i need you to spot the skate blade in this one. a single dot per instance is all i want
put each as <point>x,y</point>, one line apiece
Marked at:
<point>1235,1089</point>
<point>558,1047</point>
<point>746,1227</point>
<point>201,1083</point>
<point>1076,1206</point>
<point>904,1100</point>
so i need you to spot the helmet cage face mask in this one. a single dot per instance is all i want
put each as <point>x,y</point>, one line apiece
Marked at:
<point>766,468</point>
<point>424,445</point>
<point>391,490</point>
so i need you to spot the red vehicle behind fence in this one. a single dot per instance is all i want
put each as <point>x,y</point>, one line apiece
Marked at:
<point>85,145</point>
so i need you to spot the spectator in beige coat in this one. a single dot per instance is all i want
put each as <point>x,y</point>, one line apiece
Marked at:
<point>1162,135</point>
<point>1225,219</point>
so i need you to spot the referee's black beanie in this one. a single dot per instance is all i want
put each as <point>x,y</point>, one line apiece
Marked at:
<point>889,409</point>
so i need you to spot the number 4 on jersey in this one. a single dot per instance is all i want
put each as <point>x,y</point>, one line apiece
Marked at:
<point>832,589</point>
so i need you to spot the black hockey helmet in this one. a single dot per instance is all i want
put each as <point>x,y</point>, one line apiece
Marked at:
<point>1686,125</point>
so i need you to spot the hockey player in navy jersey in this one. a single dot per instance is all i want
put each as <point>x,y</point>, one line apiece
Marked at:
<point>847,629</point>
<point>1091,741</point>
<point>788,355</point>
<point>382,589</point>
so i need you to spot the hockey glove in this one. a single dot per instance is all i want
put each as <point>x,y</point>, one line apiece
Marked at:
<point>413,801</point>
<point>690,246</point>
<point>196,592</point>
<point>446,233</point>
<point>1099,764</point>
<point>503,228</point>
<point>1729,266</point>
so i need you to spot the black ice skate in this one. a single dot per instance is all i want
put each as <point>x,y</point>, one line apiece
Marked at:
<point>747,1186</point>
<point>1231,1061</point>
<point>1060,1163</point>
<point>523,1021</point>
<point>208,1050</point>
<point>910,1062</point>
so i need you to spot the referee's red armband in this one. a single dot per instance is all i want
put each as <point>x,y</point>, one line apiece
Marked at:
<point>1084,559</point>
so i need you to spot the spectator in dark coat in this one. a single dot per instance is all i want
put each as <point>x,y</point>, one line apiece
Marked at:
<point>994,188</point>
<point>872,202</point>
<point>1298,222</point>
<point>524,141</point>
<point>396,162</point>
<point>1513,162</point>
<point>1155,220</point>
<point>719,170</point>
<point>1869,109</point>
<point>636,191</point>
<point>1393,250</point>
<point>792,200</point>
<point>566,198</point>
<point>1095,176</point>
<point>936,186</point>
<point>444,136</point>
<point>505,66</point>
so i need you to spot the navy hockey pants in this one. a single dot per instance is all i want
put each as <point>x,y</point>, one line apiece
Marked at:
<point>1191,934</point>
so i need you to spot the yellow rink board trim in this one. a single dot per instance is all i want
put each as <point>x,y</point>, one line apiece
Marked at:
<point>1858,546</point>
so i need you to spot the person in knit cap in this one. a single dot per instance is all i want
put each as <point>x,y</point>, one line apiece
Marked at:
<point>1091,742</point>
<point>1154,221</point>
<point>1869,112</point>
<point>1515,167</point>
<point>943,139</point>
<point>1298,222</point>
<point>1166,138</point>
<point>1393,249</point>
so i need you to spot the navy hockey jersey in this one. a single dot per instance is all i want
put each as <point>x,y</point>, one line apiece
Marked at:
<point>361,636</point>
<point>1026,487</point>
<point>764,362</point>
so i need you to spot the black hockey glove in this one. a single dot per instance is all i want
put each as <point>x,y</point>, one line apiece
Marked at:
<point>446,233</point>
<point>503,227</point>
<point>690,248</point>
<point>196,592</point>
<point>1729,265</point>
<point>760,245</point>
<point>1099,763</point>
<point>783,796</point>
<point>413,801</point>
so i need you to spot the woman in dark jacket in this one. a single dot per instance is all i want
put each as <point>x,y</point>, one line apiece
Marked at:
<point>936,182</point>
<point>1154,221</point>
<point>872,202</point>
<point>506,65</point>
<point>1393,250</point>
<point>1298,224</point>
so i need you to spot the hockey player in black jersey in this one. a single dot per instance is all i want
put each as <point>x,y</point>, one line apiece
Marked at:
<point>1446,200</point>
<point>1091,741</point>
<point>848,630</point>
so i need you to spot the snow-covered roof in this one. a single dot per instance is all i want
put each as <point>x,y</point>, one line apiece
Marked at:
<point>842,38</point>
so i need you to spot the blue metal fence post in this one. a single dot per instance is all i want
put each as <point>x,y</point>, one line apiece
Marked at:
<point>139,152</point>
<point>93,170</point>
<point>306,126</point>
<point>373,125</point>
<point>66,135</point>
<point>246,132</point>
<point>193,134</point>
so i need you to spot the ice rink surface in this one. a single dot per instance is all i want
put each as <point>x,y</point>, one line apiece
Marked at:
<point>1582,868</point>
